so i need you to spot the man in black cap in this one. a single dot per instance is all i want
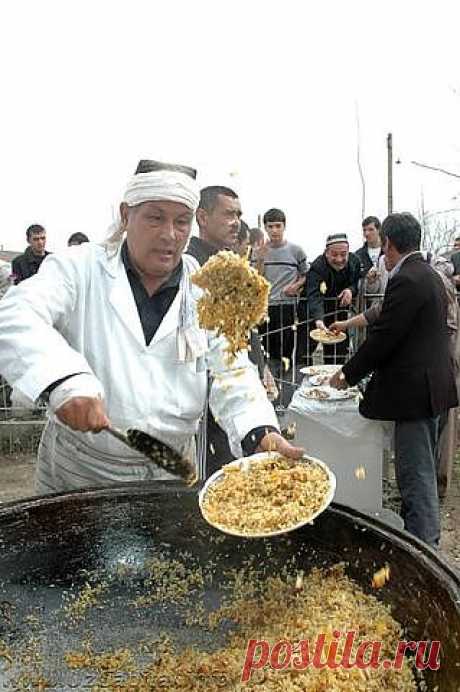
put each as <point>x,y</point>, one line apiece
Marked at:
<point>332,283</point>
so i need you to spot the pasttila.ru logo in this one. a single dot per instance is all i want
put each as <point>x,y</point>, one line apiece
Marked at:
<point>340,652</point>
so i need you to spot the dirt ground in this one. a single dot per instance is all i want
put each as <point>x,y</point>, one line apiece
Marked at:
<point>17,481</point>
<point>450,514</point>
<point>16,477</point>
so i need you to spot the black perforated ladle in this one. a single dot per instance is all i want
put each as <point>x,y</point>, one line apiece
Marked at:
<point>157,451</point>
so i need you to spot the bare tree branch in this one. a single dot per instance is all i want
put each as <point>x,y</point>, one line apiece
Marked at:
<point>360,168</point>
<point>438,230</point>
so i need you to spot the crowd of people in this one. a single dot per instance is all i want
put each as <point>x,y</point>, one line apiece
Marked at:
<point>107,335</point>
<point>306,294</point>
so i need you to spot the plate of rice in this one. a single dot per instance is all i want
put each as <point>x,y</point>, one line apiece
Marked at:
<point>266,494</point>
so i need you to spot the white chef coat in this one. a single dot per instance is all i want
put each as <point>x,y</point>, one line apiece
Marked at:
<point>78,315</point>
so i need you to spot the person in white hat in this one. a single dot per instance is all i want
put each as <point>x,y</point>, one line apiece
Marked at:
<point>332,284</point>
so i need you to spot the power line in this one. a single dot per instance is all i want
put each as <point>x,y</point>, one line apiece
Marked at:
<point>435,168</point>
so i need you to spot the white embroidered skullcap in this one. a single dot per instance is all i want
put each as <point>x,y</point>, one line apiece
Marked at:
<point>336,238</point>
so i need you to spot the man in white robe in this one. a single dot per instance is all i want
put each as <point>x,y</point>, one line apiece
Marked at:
<point>109,334</point>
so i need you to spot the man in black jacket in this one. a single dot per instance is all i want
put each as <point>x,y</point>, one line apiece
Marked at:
<point>28,264</point>
<point>455,259</point>
<point>413,380</point>
<point>370,252</point>
<point>332,283</point>
<point>219,221</point>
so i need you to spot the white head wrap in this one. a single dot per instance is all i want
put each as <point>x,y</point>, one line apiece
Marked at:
<point>169,186</point>
<point>154,186</point>
<point>159,186</point>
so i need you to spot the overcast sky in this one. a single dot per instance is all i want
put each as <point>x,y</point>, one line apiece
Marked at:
<point>259,95</point>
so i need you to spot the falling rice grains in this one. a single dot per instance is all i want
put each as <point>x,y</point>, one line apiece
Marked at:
<point>286,364</point>
<point>381,577</point>
<point>360,473</point>
<point>299,582</point>
<point>235,298</point>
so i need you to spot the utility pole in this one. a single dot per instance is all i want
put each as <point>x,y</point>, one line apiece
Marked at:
<point>390,171</point>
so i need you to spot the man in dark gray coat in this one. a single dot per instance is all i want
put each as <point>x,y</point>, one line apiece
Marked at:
<point>413,378</point>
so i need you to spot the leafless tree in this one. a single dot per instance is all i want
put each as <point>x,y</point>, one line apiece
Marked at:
<point>439,229</point>
<point>358,161</point>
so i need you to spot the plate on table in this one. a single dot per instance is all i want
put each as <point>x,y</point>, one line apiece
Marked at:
<point>320,380</point>
<point>314,370</point>
<point>326,393</point>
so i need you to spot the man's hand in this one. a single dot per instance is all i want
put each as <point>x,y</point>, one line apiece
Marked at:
<point>456,279</point>
<point>320,325</point>
<point>83,413</point>
<point>372,275</point>
<point>345,297</point>
<point>338,326</point>
<point>259,252</point>
<point>274,442</point>
<point>291,290</point>
<point>338,380</point>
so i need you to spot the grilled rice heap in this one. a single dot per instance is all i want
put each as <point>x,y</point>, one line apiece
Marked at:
<point>274,494</point>
<point>235,298</point>
<point>78,605</point>
<point>277,608</point>
<point>289,606</point>
<point>316,393</point>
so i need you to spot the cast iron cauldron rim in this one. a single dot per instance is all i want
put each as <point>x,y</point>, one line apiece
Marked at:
<point>402,539</point>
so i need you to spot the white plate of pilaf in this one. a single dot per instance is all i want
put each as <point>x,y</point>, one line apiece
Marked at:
<point>319,380</point>
<point>327,393</point>
<point>315,370</point>
<point>266,495</point>
<point>324,336</point>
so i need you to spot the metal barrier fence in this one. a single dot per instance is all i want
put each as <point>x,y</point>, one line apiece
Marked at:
<point>289,348</point>
<point>285,341</point>
<point>21,422</point>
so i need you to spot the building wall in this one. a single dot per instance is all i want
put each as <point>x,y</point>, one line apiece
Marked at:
<point>9,255</point>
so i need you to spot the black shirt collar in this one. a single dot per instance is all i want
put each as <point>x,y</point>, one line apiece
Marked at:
<point>32,257</point>
<point>201,250</point>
